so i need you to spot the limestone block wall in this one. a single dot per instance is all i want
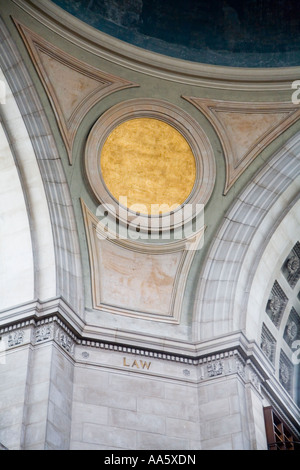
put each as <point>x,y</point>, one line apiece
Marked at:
<point>115,410</point>
<point>228,420</point>
<point>222,415</point>
<point>49,400</point>
<point>59,391</point>
<point>257,433</point>
<point>126,400</point>
<point>36,386</point>
<point>13,388</point>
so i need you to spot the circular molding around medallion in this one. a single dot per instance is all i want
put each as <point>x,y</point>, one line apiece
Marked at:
<point>187,126</point>
<point>150,163</point>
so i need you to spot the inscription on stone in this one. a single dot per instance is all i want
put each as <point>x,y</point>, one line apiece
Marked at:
<point>138,364</point>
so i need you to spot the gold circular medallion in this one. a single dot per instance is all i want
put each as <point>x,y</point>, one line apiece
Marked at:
<point>148,166</point>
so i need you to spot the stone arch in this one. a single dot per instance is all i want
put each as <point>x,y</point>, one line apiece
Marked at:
<point>273,309</point>
<point>231,263</point>
<point>16,251</point>
<point>55,247</point>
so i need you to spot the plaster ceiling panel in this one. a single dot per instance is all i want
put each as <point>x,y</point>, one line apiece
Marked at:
<point>245,129</point>
<point>73,87</point>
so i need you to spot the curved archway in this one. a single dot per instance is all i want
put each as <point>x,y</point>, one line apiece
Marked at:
<point>224,285</point>
<point>273,310</point>
<point>16,254</point>
<point>55,248</point>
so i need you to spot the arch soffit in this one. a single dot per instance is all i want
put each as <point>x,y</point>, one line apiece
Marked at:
<point>154,64</point>
<point>224,284</point>
<point>68,275</point>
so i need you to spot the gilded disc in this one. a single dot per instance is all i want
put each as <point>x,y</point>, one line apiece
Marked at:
<point>148,165</point>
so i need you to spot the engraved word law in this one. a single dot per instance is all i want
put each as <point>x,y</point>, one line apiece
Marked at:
<point>138,364</point>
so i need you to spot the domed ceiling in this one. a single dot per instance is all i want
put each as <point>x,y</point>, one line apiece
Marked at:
<point>248,33</point>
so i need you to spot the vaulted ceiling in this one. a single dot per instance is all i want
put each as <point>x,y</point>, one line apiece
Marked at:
<point>251,33</point>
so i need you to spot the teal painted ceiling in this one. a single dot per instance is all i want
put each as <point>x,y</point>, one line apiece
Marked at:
<point>247,33</point>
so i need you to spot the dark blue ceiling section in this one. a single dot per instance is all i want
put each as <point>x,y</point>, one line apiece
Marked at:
<point>237,33</point>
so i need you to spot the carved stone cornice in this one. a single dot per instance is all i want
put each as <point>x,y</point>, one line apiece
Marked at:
<point>37,332</point>
<point>209,366</point>
<point>35,311</point>
<point>216,357</point>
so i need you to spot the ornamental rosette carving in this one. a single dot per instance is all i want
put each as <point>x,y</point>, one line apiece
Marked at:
<point>291,267</point>
<point>275,304</point>
<point>291,330</point>
<point>293,264</point>
<point>284,373</point>
<point>43,333</point>
<point>215,368</point>
<point>266,346</point>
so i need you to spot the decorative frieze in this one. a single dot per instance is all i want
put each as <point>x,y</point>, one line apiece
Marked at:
<point>39,332</point>
<point>215,368</point>
<point>43,333</point>
<point>137,351</point>
<point>16,338</point>
<point>254,379</point>
<point>16,335</point>
<point>205,368</point>
<point>240,367</point>
<point>65,341</point>
<point>208,367</point>
<point>218,365</point>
